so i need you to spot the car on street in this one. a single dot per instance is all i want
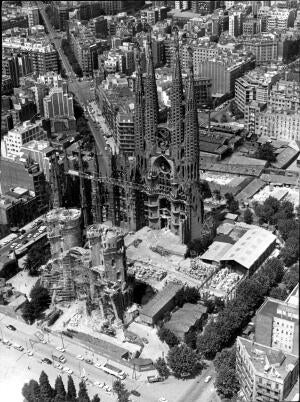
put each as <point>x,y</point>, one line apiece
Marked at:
<point>207,379</point>
<point>11,327</point>
<point>79,357</point>
<point>88,361</point>
<point>68,370</point>
<point>98,365</point>
<point>162,399</point>
<point>145,340</point>
<point>18,347</point>
<point>29,352</point>
<point>6,342</point>
<point>135,393</point>
<point>46,360</point>
<point>60,349</point>
<point>58,366</point>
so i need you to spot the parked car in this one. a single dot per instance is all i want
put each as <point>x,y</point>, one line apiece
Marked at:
<point>11,327</point>
<point>89,361</point>
<point>60,349</point>
<point>135,393</point>
<point>46,360</point>
<point>207,379</point>
<point>79,357</point>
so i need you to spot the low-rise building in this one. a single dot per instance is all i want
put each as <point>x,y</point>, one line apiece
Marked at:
<point>282,124</point>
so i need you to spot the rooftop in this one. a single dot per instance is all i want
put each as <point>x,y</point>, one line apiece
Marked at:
<point>182,319</point>
<point>155,305</point>
<point>216,251</point>
<point>267,361</point>
<point>62,214</point>
<point>249,247</point>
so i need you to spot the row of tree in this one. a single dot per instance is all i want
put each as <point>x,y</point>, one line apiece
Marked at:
<point>37,256</point>
<point>236,314</point>
<point>67,49</point>
<point>226,382</point>
<point>39,301</point>
<point>35,391</point>
<point>281,214</point>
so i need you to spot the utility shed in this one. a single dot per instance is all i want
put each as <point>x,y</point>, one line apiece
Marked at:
<point>250,250</point>
<point>187,317</point>
<point>162,302</point>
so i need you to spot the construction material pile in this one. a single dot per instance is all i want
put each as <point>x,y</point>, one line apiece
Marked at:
<point>143,272</point>
<point>199,270</point>
<point>225,280</point>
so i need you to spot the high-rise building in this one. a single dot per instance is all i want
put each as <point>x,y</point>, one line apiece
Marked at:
<point>285,95</point>
<point>263,46</point>
<point>58,103</point>
<point>268,368</point>
<point>12,142</point>
<point>16,66</point>
<point>32,13</point>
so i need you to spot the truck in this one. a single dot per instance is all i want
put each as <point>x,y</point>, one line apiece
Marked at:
<point>59,358</point>
<point>109,369</point>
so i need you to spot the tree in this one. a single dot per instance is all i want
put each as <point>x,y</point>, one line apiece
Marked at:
<point>268,210</point>
<point>290,251</point>
<point>266,152</point>
<point>82,393</point>
<point>36,257</point>
<point>96,398</point>
<point>60,390</point>
<point>248,216</point>
<point>223,118</point>
<point>231,203</point>
<point>226,382</point>
<point>190,339</point>
<point>45,388</point>
<point>205,189</point>
<point>71,394</point>
<point>278,293</point>
<point>183,361</point>
<point>31,391</point>
<point>225,358</point>
<point>121,391</point>
<point>291,277</point>
<point>165,335</point>
<point>286,226</point>
<point>28,312</point>
<point>217,194</point>
<point>162,368</point>
<point>40,299</point>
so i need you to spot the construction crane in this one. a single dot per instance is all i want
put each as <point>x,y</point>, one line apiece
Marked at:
<point>163,190</point>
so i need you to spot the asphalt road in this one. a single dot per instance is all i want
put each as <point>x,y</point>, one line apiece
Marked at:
<point>75,87</point>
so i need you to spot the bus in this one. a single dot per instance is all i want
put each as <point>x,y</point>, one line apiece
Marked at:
<point>108,368</point>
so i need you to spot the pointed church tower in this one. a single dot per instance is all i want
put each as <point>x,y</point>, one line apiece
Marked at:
<point>177,108</point>
<point>191,128</point>
<point>139,109</point>
<point>151,99</point>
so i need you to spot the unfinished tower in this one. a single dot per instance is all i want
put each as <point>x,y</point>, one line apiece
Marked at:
<point>108,271</point>
<point>63,229</point>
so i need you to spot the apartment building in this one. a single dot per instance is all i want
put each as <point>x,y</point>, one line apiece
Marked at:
<point>58,103</point>
<point>255,85</point>
<point>280,19</point>
<point>263,46</point>
<point>13,141</point>
<point>277,323</point>
<point>285,95</point>
<point>283,125</point>
<point>125,133</point>
<point>15,66</point>
<point>203,50</point>
<point>264,373</point>
<point>32,13</point>
<point>268,368</point>
<point>43,55</point>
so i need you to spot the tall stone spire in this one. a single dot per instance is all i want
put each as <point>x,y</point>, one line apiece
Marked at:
<point>96,207</point>
<point>191,128</point>
<point>151,99</point>
<point>139,109</point>
<point>177,108</point>
<point>82,188</point>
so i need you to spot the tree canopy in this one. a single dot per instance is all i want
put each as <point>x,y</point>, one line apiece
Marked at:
<point>162,368</point>
<point>183,361</point>
<point>266,152</point>
<point>37,256</point>
<point>248,216</point>
<point>121,391</point>
<point>165,335</point>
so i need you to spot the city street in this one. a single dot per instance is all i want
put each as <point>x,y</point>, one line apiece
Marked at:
<point>75,88</point>
<point>15,370</point>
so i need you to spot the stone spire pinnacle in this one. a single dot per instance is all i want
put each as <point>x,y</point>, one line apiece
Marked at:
<point>139,110</point>
<point>151,99</point>
<point>82,188</point>
<point>96,208</point>
<point>55,182</point>
<point>191,128</point>
<point>177,109</point>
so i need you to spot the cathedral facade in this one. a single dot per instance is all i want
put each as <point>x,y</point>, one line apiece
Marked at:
<point>166,163</point>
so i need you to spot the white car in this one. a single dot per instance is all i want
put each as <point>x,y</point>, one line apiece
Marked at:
<point>207,379</point>
<point>58,366</point>
<point>98,365</point>
<point>44,341</point>
<point>79,357</point>
<point>68,370</point>
<point>60,349</point>
<point>162,399</point>
<point>29,352</point>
